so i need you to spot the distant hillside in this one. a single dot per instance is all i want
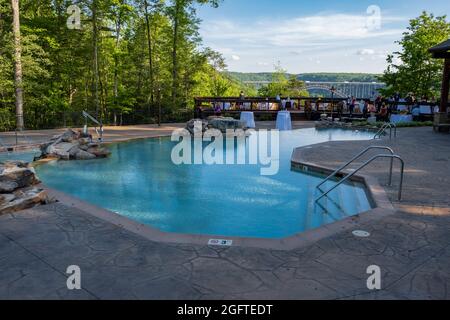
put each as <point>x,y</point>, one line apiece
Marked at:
<point>340,77</point>
<point>326,77</point>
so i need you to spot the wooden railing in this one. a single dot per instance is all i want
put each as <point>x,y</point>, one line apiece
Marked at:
<point>302,107</point>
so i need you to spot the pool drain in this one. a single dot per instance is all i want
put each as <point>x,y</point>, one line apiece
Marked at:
<point>361,234</point>
<point>220,242</point>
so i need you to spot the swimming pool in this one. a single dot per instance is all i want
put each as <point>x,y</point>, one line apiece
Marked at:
<point>140,181</point>
<point>25,155</point>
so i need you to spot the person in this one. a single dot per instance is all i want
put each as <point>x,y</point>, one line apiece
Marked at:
<point>365,108</point>
<point>352,106</point>
<point>409,101</point>
<point>278,98</point>
<point>340,107</point>
<point>241,95</point>
<point>378,103</point>
<point>288,103</point>
<point>396,100</point>
<point>383,114</point>
<point>217,109</point>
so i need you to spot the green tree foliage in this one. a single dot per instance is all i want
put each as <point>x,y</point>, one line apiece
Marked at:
<point>413,69</point>
<point>284,85</point>
<point>321,77</point>
<point>134,41</point>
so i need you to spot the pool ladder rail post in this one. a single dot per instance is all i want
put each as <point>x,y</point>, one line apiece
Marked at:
<point>383,128</point>
<point>347,177</point>
<point>359,155</point>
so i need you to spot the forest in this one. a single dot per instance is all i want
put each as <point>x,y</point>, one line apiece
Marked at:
<point>116,59</point>
<point>124,61</point>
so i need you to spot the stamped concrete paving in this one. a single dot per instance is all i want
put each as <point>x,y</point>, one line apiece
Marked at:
<point>36,247</point>
<point>427,166</point>
<point>412,247</point>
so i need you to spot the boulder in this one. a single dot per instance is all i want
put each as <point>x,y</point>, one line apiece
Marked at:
<point>84,155</point>
<point>99,152</point>
<point>17,187</point>
<point>224,124</point>
<point>72,146</point>
<point>4,198</point>
<point>19,177</point>
<point>190,126</point>
<point>69,136</point>
<point>23,199</point>
<point>60,150</point>
<point>8,186</point>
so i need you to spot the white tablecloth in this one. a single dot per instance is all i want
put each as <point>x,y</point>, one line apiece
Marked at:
<point>397,118</point>
<point>284,121</point>
<point>425,110</point>
<point>249,118</point>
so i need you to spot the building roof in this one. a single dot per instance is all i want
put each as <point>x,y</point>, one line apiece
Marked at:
<point>441,50</point>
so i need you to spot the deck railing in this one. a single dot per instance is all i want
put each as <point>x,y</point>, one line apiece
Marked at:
<point>298,105</point>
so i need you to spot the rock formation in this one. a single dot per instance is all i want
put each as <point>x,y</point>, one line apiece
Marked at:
<point>220,123</point>
<point>71,145</point>
<point>18,190</point>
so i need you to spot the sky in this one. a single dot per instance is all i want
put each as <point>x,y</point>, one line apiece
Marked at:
<point>310,35</point>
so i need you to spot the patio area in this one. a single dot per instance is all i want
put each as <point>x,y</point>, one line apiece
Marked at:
<point>412,246</point>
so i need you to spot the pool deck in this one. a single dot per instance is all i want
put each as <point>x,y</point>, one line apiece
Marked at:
<point>116,133</point>
<point>411,246</point>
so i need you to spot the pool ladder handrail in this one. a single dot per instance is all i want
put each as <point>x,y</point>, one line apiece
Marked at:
<point>383,128</point>
<point>363,166</point>
<point>359,155</point>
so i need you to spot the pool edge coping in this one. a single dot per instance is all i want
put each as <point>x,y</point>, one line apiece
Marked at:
<point>382,208</point>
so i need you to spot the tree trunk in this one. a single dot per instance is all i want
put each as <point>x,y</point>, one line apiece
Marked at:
<point>150,52</point>
<point>116,71</point>
<point>174,53</point>
<point>17,65</point>
<point>95,45</point>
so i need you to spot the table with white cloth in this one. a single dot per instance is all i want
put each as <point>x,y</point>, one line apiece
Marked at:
<point>425,110</point>
<point>397,118</point>
<point>249,119</point>
<point>402,108</point>
<point>284,121</point>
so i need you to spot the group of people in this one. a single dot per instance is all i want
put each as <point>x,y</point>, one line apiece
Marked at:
<point>381,107</point>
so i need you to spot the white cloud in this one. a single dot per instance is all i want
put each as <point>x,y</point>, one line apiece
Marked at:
<point>365,52</point>
<point>316,28</point>
<point>328,40</point>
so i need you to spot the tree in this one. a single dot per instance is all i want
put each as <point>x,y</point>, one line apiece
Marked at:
<point>17,64</point>
<point>413,69</point>
<point>111,66</point>
<point>184,24</point>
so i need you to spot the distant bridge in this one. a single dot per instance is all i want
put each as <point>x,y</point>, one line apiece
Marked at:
<point>343,89</point>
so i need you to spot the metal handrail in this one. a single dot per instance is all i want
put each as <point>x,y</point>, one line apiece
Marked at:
<point>87,117</point>
<point>356,158</point>
<point>383,128</point>
<point>364,165</point>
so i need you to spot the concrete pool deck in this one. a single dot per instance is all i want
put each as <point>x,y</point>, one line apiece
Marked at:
<point>117,133</point>
<point>411,246</point>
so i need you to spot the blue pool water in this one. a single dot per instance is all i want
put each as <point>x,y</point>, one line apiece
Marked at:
<point>140,181</point>
<point>27,156</point>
